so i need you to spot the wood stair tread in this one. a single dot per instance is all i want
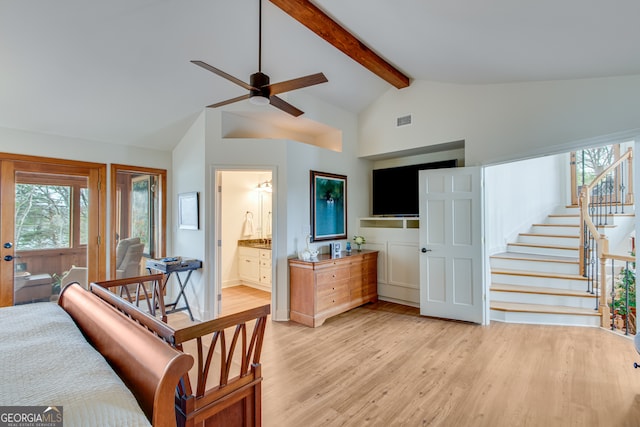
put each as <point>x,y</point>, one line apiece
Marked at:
<point>555,236</point>
<point>521,256</point>
<point>538,274</point>
<point>538,308</point>
<point>501,287</point>
<point>548,246</point>
<point>556,225</point>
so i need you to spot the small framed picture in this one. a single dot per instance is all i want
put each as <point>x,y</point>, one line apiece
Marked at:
<point>336,249</point>
<point>188,211</point>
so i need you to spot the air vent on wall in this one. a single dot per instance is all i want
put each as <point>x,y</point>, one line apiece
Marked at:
<point>403,120</point>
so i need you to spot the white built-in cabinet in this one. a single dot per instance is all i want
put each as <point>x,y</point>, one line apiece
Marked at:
<point>254,267</point>
<point>397,241</point>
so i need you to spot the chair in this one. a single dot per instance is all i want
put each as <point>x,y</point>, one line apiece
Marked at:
<point>128,256</point>
<point>75,274</point>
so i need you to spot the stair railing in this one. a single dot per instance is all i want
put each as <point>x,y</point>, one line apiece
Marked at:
<point>605,196</point>
<point>623,293</point>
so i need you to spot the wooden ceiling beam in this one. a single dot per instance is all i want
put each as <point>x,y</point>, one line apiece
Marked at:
<point>320,23</point>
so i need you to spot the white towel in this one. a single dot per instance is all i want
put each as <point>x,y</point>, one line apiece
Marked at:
<point>267,226</point>
<point>247,229</point>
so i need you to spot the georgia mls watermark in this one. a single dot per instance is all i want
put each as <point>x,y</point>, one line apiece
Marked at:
<point>31,416</point>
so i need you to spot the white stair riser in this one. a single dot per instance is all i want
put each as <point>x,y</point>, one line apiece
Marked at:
<point>568,210</point>
<point>534,266</point>
<point>570,253</point>
<point>549,240</point>
<point>563,220</point>
<point>545,299</point>
<point>544,318</point>
<point>542,282</point>
<point>556,230</point>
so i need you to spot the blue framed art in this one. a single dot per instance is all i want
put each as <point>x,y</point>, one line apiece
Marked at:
<point>328,206</point>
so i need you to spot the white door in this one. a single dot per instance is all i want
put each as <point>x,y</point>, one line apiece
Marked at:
<point>451,259</point>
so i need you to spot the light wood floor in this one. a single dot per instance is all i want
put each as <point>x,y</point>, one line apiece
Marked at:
<point>384,365</point>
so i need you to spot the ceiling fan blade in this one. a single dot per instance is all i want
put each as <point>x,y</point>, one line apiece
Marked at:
<point>229,101</point>
<point>284,106</point>
<point>223,74</point>
<point>299,83</point>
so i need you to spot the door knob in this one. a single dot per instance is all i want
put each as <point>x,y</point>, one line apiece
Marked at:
<point>425,250</point>
<point>8,258</point>
<point>7,245</point>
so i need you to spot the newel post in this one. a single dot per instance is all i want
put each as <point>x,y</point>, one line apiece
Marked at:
<point>605,313</point>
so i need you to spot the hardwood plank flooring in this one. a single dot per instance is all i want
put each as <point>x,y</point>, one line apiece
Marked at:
<point>384,365</point>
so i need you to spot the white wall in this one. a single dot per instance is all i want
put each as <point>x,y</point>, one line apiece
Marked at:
<point>61,147</point>
<point>189,175</point>
<point>519,194</point>
<point>502,122</point>
<point>291,162</point>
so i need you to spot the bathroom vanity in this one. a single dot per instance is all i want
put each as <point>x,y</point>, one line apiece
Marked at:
<point>327,286</point>
<point>254,263</point>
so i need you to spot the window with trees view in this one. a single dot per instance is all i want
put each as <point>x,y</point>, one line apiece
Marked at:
<point>44,216</point>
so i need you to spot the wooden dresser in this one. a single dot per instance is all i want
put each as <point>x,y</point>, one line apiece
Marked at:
<point>329,286</point>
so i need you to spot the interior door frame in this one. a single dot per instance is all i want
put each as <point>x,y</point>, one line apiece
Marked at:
<point>216,232</point>
<point>96,176</point>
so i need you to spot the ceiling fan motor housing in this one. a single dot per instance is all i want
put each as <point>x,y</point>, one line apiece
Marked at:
<point>260,81</point>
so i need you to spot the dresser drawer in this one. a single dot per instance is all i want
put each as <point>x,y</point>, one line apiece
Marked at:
<point>331,276</point>
<point>333,299</point>
<point>339,286</point>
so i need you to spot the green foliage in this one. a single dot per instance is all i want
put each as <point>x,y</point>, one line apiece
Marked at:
<point>626,280</point>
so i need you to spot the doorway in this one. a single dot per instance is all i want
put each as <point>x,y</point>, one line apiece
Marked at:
<point>52,226</point>
<point>245,230</point>
<point>138,218</point>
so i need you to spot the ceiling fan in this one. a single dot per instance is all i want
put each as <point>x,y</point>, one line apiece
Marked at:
<point>261,92</point>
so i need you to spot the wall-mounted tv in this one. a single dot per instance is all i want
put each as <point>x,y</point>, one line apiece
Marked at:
<point>395,190</point>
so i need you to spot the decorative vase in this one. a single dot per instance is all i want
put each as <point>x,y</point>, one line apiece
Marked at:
<point>358,245</point>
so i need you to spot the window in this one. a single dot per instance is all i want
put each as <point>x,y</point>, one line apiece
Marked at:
<point>43,216</point>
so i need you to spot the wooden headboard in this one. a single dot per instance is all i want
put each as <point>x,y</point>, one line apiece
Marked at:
<point>147,365</point>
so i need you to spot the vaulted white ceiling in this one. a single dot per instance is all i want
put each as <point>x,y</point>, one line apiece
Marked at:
<point>118,71</point>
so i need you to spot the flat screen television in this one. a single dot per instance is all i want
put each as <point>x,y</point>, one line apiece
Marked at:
<point>395,190</point>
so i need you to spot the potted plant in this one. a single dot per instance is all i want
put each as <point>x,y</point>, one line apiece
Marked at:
<point>359,241</point>
<point>626,280</point>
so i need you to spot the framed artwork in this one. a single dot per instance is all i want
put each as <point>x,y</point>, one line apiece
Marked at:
<point>328,206</point>
<point>188,211</point>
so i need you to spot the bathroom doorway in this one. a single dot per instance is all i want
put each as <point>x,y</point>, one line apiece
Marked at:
<point>244,226</point>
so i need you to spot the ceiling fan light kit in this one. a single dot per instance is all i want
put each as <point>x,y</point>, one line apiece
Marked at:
<point>261,92</point>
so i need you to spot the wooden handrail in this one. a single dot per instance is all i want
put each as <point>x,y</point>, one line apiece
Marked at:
<point>623,258</point>
<point>626,156</point>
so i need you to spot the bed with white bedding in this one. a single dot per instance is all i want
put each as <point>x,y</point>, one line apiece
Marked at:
<point>50,356</point>
<point>48,362</point>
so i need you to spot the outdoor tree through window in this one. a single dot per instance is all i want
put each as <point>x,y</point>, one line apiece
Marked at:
<point>43,216</point>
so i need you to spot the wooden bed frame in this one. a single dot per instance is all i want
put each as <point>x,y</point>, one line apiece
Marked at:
<point>224,388</point>
<point>150,368</point>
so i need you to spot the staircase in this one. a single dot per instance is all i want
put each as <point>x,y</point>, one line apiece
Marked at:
<point>537,280</point>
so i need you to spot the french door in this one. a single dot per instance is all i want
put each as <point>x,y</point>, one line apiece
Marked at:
<point>52,222</point>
